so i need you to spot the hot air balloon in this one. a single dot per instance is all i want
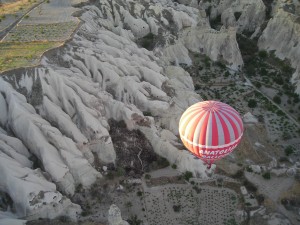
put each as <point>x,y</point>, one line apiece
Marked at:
<point>210,130</point>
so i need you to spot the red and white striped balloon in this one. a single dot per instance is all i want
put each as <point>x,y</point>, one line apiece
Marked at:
<point>210,130</point>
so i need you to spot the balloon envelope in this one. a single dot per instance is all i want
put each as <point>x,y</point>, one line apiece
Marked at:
<point>210,130</point>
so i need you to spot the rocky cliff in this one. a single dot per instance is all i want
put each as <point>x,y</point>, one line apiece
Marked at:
<point>58,113</point>
<point>245,15</point>
<point>114,216</point>
<point>282,36</point>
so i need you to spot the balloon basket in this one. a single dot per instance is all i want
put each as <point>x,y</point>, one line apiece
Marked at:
<point>210,170</point>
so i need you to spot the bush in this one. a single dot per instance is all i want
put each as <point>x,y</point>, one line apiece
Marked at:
<point>278,80</point>
<point>147,176</point>
<point>214,23</point>
<point>267,175</point>
<point>120,172</point>
<point>226,74</point>
<point>260,198</point>
<point>188,175</point>
<point>110,176</point>
<point>257,84</point>
<point>239,174</point>
<point>252,103</point>
<point>197,87</point>
<point>139,193</point>
<point>277,99</point>
<point>263,54</point>
<point>133,220</point>
<point>207,61</point>
<point>250,187</point>
<point>249,169</point>
<point>163,162</point>
<point>289,150</point>
<point>174,166</point>
<point>147,42</point>
<point>176,208</point>
<point>64,219</point>
<point>85,213</point>
<point>237,15</point>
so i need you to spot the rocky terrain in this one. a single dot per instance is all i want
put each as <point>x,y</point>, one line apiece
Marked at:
<point>282,35</point>
<point>105,106</point>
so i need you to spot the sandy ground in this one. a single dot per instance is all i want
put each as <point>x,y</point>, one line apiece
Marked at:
<point>273,189</point>
<point>168,171</point>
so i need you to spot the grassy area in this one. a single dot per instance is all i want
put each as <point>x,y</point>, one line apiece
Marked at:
<point>11,8</point>
<point>17,54</point>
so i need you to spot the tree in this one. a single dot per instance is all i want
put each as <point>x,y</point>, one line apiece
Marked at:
<point>267,175</point>
<point>188,175</point>
<point>128,205</point>
<point>147,176</point>
<point>176,208</point>
<point>252,103</point>
<point>262,54</point>
<point>133,220</point>
<point>289,150</point>
<point>277,99</point>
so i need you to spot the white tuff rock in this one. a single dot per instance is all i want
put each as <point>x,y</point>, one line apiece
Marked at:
<point>282,35</point>
<point>114,216</point>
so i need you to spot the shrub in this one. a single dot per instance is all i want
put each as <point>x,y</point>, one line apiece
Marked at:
<point>277,99</point>
<point>147,176</point>
<point>289,150</point>
<point>85,213</point>
<point>267,175</point>
<point>197,87</point>
<point>263,54</point>
<point>226,74</point>
<point>214,23</point>
<point>64,219</point>
<point>133,220</point>
<point>257,84</point>
<point>176,208</point>
<point>110,175</point>
<point>120,172</point>
<point>237,15</point>
<point>188,175</point>
<point>174,166</point>
<point>252,103</point>
<point>147,42</point>
<point>249,169</point>
<point>147,113</point>
<point>260,198</point>
<point>239,174</point>
<point>163,162</point>
<point>250,187</point>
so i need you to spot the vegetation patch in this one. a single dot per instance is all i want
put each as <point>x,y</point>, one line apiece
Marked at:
<point>17,54</point>
<point>15,6</point>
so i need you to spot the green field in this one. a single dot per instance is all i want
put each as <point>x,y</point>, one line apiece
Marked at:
<point>19,54</point>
